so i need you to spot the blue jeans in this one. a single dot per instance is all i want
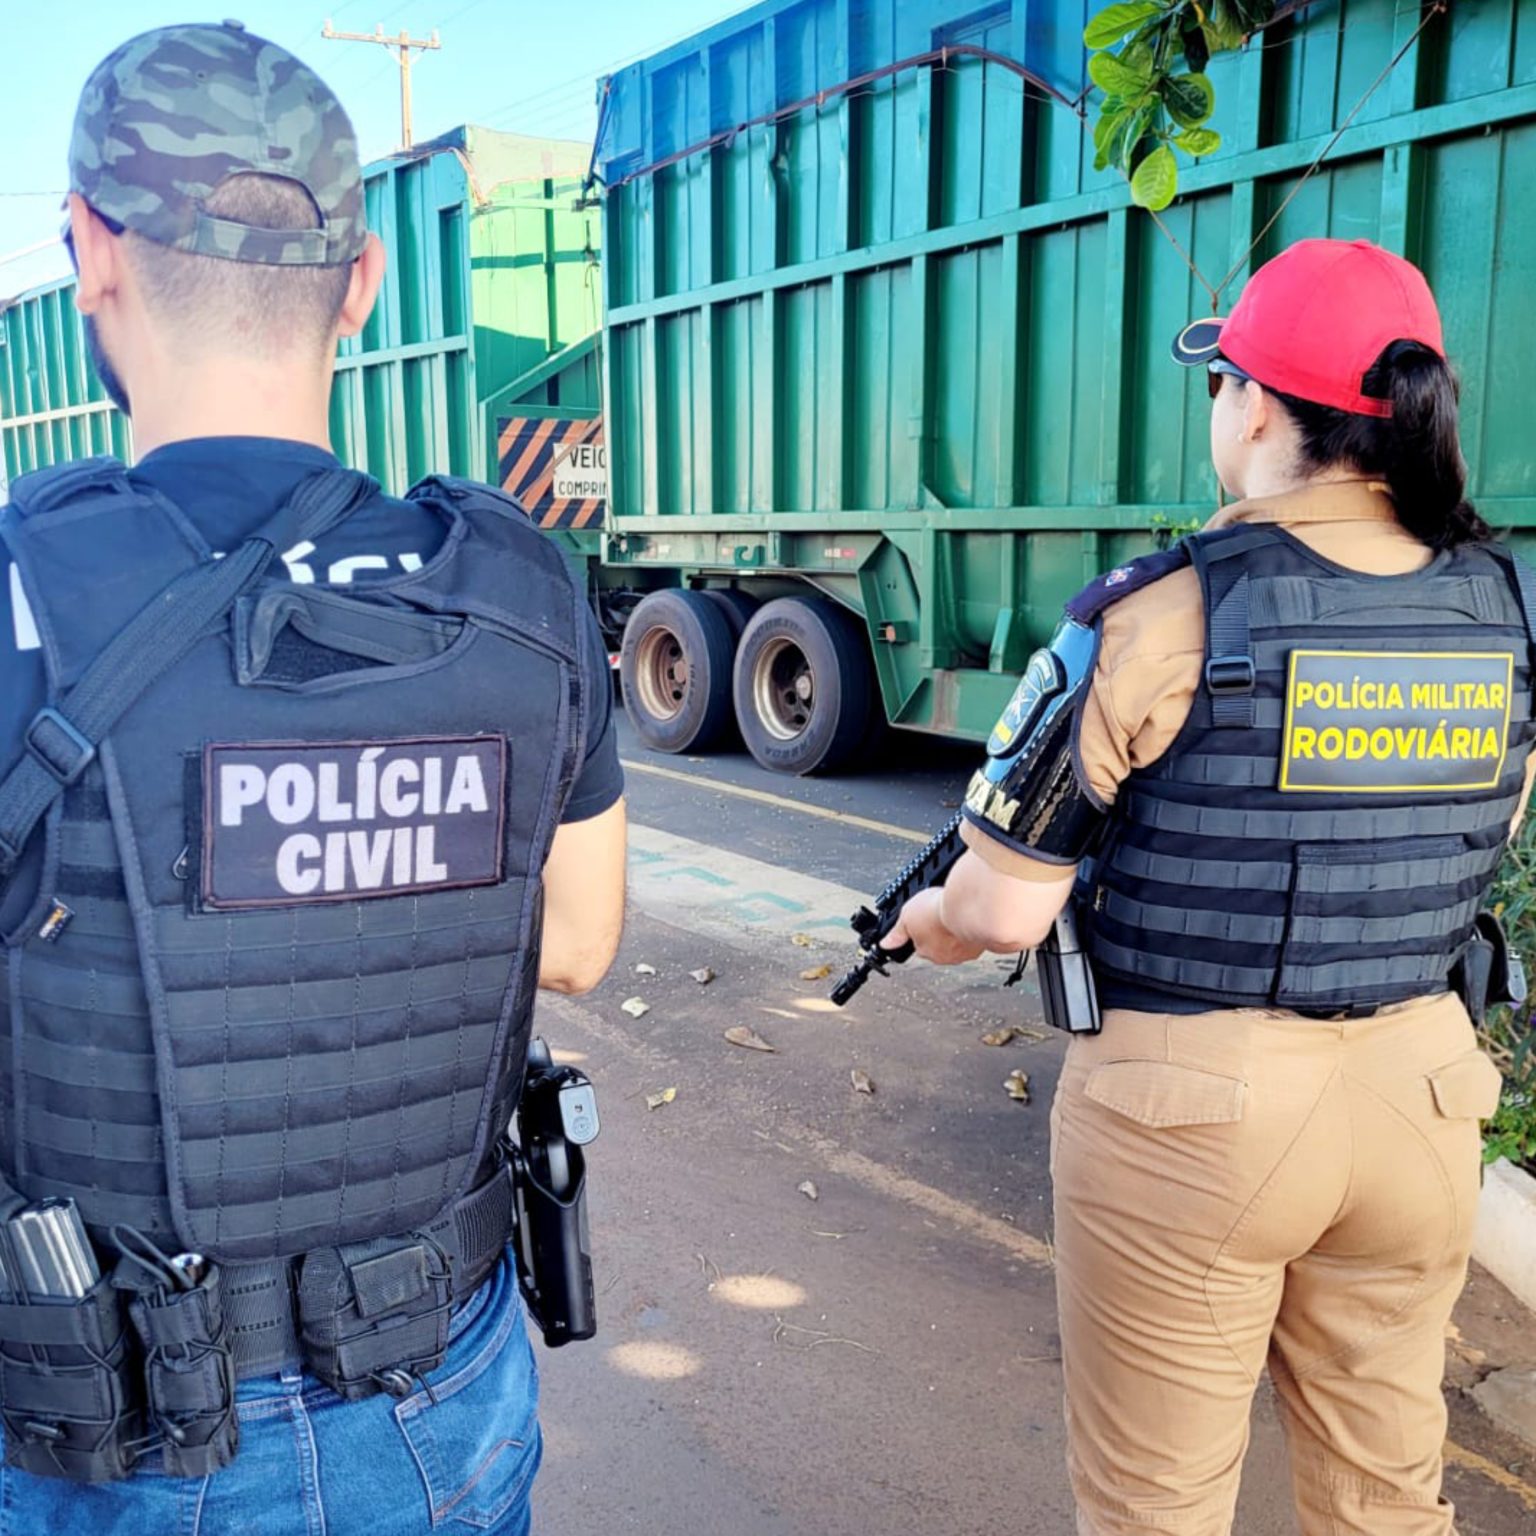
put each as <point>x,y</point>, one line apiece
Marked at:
<point>311,1465</point>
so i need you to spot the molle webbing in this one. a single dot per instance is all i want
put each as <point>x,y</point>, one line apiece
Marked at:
<point>87,1103</point>
<point>1217,887</point>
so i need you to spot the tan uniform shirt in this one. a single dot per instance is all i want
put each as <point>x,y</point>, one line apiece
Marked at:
<point>1152,654</point>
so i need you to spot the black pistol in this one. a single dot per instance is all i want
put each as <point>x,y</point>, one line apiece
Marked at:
<point>929,869</point>
<point>556,1119</point>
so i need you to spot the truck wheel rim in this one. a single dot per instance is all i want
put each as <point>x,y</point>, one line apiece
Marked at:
<point>783,689</point>
<point>661,673</point>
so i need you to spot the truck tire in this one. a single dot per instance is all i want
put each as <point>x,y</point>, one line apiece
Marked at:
<point>676,671</point>
<point>737,606</point>
<point>804,686</point>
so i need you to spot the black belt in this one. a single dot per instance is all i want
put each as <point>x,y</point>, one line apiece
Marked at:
<point>261,1303</point>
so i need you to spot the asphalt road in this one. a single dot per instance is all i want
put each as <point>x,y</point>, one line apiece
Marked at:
<point>880,1360</point>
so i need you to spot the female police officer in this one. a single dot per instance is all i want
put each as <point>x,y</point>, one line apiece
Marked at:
<point>1298,750</point>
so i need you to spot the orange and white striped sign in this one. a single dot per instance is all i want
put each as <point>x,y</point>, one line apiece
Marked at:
<point>557,468</point>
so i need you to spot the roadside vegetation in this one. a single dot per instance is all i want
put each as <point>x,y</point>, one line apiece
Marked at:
<point>1509,1036</point>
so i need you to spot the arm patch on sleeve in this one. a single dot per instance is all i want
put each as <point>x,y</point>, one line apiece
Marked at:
<point>1125,579</point>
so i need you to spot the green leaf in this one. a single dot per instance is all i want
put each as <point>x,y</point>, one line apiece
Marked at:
<point>1114,78</point>
<point>1199,141</point>
<point>1113,22</point>
<point>1104,136</point>
<point>1156,181</point>
<point>1197,46</point>
<point>1111,120</point>
<point>1230,21</point>
<point>1134,133</point>
<point>1190,99</point>
<point>1137,54</point>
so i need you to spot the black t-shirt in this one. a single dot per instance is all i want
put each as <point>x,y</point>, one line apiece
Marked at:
<point>228,486</point>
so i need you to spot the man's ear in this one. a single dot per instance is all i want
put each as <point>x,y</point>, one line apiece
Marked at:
<point>1258,413</point>
<point>98,256</point>
<point>363,289</point>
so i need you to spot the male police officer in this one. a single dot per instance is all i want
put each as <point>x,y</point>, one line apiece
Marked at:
<point>1279,764</point>
<point>303,791</point>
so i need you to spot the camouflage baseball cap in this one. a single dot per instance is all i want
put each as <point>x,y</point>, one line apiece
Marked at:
<point>172,114</point>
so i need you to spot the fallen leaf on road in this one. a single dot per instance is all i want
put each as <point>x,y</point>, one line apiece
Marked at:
<point>816,973</point>
<point>1001,1036</point>
<point>635,1007</point>
<point>703,975</point>
<point>861,1081</point>
<point>809,1190</point>
<point>645,970</point>
<point>802,939</point>
<point>656,1100</point>
<point>1016,1085</point>
<point>747,1038</point>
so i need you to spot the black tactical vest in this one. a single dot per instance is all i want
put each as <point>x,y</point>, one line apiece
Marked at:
<point>1323,830</point>
<point>289,1003</point>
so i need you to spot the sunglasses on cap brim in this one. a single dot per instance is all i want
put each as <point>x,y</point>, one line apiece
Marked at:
<point>1218,369</point>
<point>67,235</point>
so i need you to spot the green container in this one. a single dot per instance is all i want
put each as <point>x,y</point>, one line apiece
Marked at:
<point>493,271</point>
<point>904,345</point>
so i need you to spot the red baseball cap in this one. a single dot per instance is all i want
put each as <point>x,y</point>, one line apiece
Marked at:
<point>1313,321</point>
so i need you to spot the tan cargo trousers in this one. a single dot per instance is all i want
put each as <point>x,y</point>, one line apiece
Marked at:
<point>1250,1187</point>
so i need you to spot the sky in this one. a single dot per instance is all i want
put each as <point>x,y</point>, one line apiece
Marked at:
<point>524,66</point>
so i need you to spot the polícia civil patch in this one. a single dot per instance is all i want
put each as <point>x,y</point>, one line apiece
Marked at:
<point>297,823</point>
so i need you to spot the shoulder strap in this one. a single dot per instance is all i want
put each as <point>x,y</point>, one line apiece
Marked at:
<point>62,739</point>
<point>1119,583</point>
<point>457,488</point>
<point>41,490</point>
<point>1523,579</point>
<point>1230,671</point>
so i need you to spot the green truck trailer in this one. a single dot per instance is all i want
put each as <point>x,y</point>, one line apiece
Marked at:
<point>484,337</point>
<point>887,359</point>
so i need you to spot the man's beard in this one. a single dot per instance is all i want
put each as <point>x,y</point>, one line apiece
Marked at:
<point>110,382</point>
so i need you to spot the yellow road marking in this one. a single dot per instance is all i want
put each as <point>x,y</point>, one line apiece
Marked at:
<point>1470,1461</point>
<point>906,834</point>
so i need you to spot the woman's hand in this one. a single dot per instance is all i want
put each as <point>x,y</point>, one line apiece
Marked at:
<point>922,922</point>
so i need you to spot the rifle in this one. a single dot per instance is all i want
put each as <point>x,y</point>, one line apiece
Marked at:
<point>929,869</point>
<point>1067,992</point>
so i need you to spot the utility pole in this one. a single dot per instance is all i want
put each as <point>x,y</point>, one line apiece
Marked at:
<point>402,44</point>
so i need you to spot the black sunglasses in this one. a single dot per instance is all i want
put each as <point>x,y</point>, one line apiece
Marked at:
<point>1221,369</point>
<point>67,235</point>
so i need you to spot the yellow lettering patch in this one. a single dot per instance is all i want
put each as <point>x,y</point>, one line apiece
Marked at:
<point>1396,722</point>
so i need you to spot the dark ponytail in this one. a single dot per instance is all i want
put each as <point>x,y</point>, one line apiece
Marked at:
<point>1417,450</point>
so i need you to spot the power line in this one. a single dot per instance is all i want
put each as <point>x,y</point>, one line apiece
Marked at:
<point>463,10</point>
<point>588,79</point>
<point>29,250</point>
<point>400,45</point>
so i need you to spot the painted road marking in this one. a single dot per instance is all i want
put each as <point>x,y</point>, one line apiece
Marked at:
<point>720,890</point>
<point>750,904</point>
<point>719,786</point>
<point>932,1202</point>
<point>833,1156</point>
<point>745,902</point>
<point>1470,1461</point>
